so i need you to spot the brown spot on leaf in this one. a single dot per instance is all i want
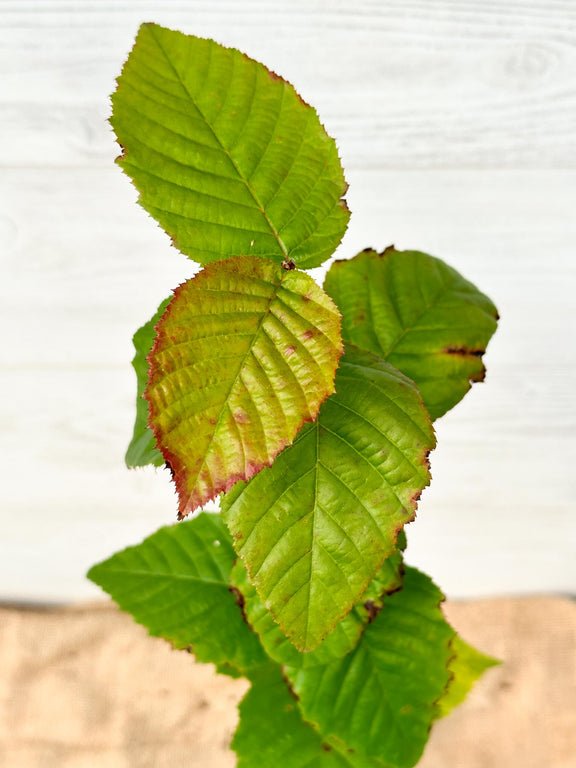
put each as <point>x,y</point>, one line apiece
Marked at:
<point>241,603</point>
<point>288,264</point>
<point>464,352</point>
<point>212,420</point>
<point>372,610</point>
<point>289,351</point>
<point>238,596</point>
<point>307,335</point>
<point>241,417</point>
<point>480,376</point>
<point>305,297</point>
<point>290,687</point>
<point>415,498</point>
<point>326,747</point>
<point>427,460</point>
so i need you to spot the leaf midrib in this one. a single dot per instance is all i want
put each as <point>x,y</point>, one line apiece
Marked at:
<point>221,145</point>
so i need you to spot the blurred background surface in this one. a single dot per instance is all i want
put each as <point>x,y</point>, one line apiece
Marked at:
<point>456,123</point>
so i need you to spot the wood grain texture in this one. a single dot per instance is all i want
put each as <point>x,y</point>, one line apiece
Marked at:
<point>456,123</point>
<point>417,84</point>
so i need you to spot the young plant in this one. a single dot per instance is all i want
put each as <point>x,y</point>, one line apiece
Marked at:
<point>307,410</point>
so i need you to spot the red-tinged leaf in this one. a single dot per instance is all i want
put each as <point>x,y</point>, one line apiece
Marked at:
<point>244,355</point>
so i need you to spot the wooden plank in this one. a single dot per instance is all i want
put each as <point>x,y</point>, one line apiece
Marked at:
<point>83,266</point>
<point>414,84</point>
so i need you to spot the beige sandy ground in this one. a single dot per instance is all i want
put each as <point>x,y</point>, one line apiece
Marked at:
<point>87,688</point>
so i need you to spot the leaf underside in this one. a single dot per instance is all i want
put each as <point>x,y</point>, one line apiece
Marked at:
<point>420,315</point>
<point>314,528</point>
<point>177,584</point>
<point>142,449</point>
<point>380,699</point>
<point>225,154</point>
<point>244,355</point>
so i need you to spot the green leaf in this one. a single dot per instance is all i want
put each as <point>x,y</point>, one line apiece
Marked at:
<point>388,579</point>
<point>380,699</point>
<point>177,584</point>
<point>338,643</point>
<point>229,670</point>
<point>272,732</point>
<point>314,528</point>
<point>419,314</point>
<point>245,353</point>
<point>142,449</point>
<point>466,666</point>
<point>340,640</point>
<point>226,155</point>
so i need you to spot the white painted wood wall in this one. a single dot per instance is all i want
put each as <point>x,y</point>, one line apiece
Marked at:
<point>456,121</point>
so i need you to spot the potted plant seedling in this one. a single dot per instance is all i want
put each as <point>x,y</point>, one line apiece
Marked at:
<point>307,410</point>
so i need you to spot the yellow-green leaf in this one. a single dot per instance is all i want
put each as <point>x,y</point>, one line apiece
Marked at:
<point>226,155</point>
<point>345,635</point>
<point>466,667</point>
<point>245,354</point>
<point>314,528</point>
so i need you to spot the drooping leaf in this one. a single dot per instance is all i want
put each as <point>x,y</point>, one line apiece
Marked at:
<point>314,528</point>
<point>245,353</point>
<point>340,640</point>
<point>226,155</point>
<point>466,667</point>
<point>142,449</point>
<point>419,314</point>
<point>380,699</point>
<point>177,584</point>
<point>272,732</point>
